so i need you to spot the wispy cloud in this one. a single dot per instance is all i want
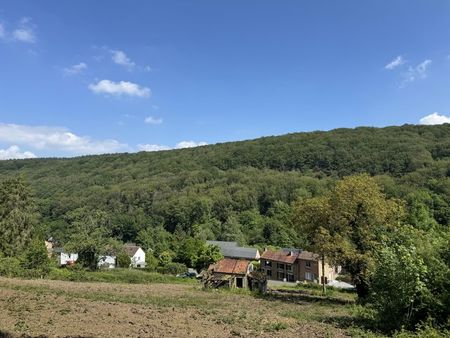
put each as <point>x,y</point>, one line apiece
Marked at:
<point>25,32</point>
<point>2,31</point>
<point>119,57</point>
<point>119,88</point>
<point>416,73</point>
<point>153,120</point>
<point>398,61</point>
<point>434,118</point>
<point>75,69</point>
<point>56,138</point>
<point>14,152</point>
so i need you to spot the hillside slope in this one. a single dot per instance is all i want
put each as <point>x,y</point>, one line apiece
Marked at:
<point>238,190</point>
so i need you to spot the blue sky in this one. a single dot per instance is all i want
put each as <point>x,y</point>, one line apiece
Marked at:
<point>86,77</point>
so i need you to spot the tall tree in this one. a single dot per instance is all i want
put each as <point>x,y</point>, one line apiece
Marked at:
<point>91,236</point>
<point>18,215</point>
<point>357,218</point>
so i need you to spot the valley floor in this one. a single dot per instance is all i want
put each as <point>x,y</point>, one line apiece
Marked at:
<point>58,309</point>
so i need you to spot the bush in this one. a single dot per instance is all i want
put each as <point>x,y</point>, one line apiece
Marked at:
<point>172,268</point>
<point>35,259</point>
<point>10,267</point>
<point>123,260</point>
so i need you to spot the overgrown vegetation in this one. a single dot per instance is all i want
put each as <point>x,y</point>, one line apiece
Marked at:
<point>387,224</point>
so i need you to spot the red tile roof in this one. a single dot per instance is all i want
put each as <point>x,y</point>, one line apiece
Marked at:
<point>230,266</point>
<point>288,257</point>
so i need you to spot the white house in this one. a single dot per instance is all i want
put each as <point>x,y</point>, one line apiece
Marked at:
<point>65,258</point>
<point>106,262</point>
<point>136,254</point>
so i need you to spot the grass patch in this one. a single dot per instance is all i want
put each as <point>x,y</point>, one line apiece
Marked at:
<point>129,276</point>
<point>274,327</point>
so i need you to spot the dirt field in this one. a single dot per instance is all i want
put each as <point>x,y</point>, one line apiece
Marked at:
<point>69,309</point>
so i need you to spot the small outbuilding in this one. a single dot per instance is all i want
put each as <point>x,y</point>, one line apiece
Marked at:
<point>229,272</point>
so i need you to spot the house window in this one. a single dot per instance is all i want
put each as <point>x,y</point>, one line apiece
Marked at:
<point>281,266</point>
<point>308,264</point>
<point>269,273</point>
<point>288,267</point>
<point>268,263</point>
<point>308,276</point>
<point>280,275</point>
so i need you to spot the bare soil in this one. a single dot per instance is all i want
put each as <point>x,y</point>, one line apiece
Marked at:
<point>43,308</point>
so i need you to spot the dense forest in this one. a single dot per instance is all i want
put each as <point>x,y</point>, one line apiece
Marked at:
<point>374,200</point>
<point>241,190</point>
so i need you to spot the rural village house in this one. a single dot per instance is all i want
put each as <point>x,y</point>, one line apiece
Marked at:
<point>106,262</point>
<point>136,254</point>
<point>293,265</point>
<point>65,258</point>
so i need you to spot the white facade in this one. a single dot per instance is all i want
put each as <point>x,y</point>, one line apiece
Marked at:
<point>106,262</point>
<point>65,258</point>
<point>138,259</point>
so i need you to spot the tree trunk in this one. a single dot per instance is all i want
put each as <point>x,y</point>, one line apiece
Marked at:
<point>324,287</point>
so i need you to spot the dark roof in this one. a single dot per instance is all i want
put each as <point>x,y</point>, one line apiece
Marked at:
<point>131,249</point>
<point>232,250</point>
<point>283,256</point>
<point>230,266</point>
<point>289,256</point>
<point>308,256</point>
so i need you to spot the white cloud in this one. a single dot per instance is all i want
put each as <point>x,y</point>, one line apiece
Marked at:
<point>153,120</point>
<point>55,138</point>
<point>189,144</point>
<point>25,31</point>
<point>14,152</point>
<point>179,145</point>
<point>75,69</point>
<point>153,147</point>
<point>24,35</point>
<point>119,88</point>
<point>415,73</point>
<point>122,59</point>
<point>398,61</point>
<point>434,118</point>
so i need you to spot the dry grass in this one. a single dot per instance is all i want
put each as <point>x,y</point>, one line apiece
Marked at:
<point>60,308</point>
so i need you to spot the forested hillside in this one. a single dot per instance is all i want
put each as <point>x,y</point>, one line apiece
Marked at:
<point>241,190</point>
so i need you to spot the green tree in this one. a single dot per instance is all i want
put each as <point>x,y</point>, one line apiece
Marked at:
<point>18,215</point>
<point>90,236</point>
<point>36,257</point>
<point>350,224</point>
<point>123,260</point>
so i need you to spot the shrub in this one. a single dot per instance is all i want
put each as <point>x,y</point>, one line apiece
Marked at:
<point>10,267</point>
<point>172,268</point>
<point>123,260</point>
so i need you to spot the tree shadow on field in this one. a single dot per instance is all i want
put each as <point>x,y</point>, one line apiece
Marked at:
<point>6,334</point>
<point>303,297</point>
